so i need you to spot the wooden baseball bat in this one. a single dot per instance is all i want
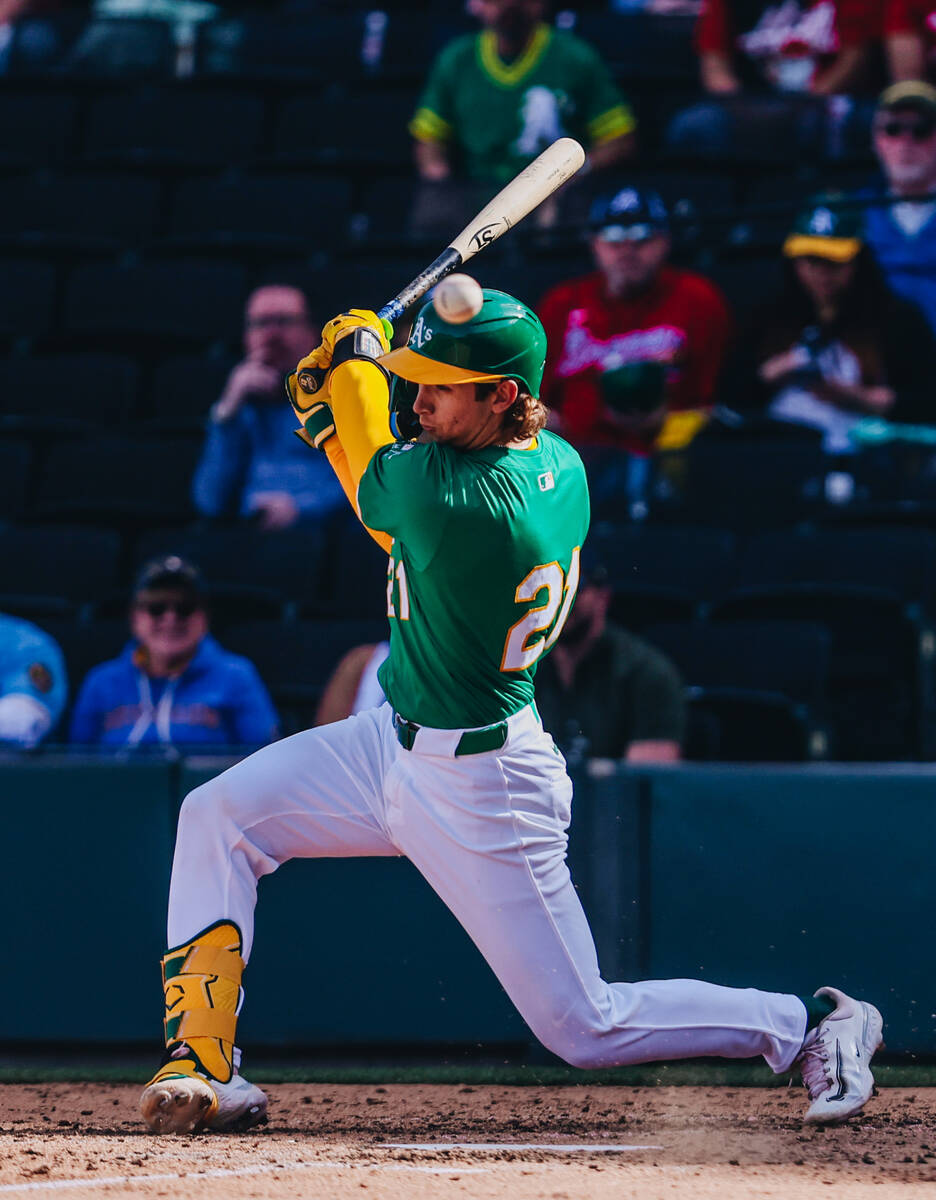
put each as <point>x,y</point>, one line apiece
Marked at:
<point>512,203</point>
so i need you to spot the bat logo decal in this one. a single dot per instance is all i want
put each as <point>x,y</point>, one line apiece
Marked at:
<point>485,235</point>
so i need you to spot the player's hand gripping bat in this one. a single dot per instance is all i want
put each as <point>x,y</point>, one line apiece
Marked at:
<point>530,188</point>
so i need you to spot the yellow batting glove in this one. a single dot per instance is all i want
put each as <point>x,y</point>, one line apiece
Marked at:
<point>357,318</point>
<point>302,401</point>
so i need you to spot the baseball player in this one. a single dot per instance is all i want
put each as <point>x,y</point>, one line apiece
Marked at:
<point>483,518</point>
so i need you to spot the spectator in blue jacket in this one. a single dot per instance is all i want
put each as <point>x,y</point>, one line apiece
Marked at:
<point>902,230</point>
<point>173,684</point>
<point>252,464</point>
<point>33,684</point>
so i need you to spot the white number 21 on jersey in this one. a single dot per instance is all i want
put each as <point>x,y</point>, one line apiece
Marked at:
<point>520,652</point>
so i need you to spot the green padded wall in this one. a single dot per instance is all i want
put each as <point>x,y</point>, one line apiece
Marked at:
<point>789,879</point>
<point>85,880</point>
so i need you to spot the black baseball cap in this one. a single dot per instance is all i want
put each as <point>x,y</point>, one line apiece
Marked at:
<point>629,214</point>
<point>169,572</point>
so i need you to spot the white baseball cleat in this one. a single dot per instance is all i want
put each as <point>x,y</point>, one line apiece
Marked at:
<point>835,1060</point>
<point>185,1101</point>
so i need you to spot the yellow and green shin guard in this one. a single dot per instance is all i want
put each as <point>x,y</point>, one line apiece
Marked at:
<point>202,985</point>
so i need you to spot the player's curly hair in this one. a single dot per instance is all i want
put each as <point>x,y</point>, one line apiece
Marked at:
<point>525,417</point>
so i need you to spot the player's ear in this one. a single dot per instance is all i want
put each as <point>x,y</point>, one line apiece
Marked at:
<point>505,394</point>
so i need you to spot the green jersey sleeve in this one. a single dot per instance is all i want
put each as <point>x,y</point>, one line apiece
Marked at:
<point>603,112</point>
<point>407,491</point>
<point>434,119</point>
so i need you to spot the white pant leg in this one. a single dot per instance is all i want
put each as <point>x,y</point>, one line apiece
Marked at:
<point>488,833</point>
<point>317,794</point>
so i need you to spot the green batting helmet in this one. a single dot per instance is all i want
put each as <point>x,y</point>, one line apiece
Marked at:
<point>504,341</point>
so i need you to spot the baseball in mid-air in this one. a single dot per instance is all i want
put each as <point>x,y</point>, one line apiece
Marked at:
<point>457,298</point>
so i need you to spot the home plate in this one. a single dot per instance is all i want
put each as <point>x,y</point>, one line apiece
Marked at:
<point>556,1148</point>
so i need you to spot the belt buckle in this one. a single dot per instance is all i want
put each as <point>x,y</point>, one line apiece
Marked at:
<point>406,731</point>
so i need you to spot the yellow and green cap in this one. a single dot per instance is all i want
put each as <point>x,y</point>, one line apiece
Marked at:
<point>826,230</point>
<point>504,341</point>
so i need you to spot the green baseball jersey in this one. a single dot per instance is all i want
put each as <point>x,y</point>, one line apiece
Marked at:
<point>482,571</point>
<point>502,115</point>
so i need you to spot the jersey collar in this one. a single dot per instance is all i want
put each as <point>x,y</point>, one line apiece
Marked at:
<point>511,74</point>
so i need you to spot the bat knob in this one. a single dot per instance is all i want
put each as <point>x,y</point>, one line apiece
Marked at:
<point>310,380</point>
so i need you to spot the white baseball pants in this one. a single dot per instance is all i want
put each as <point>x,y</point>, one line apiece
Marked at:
<point>488,832</point>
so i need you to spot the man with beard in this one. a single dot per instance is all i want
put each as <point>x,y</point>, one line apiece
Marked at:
<point>605,693</point>
<point>252,464</point>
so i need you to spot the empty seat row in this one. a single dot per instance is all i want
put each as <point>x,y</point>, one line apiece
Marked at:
<point>302,203</point>
<point>321,569</point>
<point>392,42</point>
<point>200,300</point>
<point>656,573</point>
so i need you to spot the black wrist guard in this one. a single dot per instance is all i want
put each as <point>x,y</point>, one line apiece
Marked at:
<point>362,343</point>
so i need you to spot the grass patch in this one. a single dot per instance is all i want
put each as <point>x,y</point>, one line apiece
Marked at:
<point>679,1074</point>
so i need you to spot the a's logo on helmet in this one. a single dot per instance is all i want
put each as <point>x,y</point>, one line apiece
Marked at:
<point>421,334</point>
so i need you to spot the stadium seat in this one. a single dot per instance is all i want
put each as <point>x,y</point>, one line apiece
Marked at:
<point>312,47</point>
<point>901,561</point>
<point>338,127</point>
<point>187,300</point>
<point>118,480</point>
<point>740,482</point>
<point>746,278</point>
<point>37,124</point>
<point>696,562</point>
<point>354,581</point>
<point>85,644</point>
<point>296,659</point>
<point>124,47</point>
<point>184,387</point>
<point>880,660</point>
<point>80,207</point>
<point>303,208</point>
<point>368,279</point>
<point>637,607</point>
<point>174,124</point>
<point>27,297</point>
<point>76,388</point>
<point>790,658</point>
<point>642,45</point>
<point>73,563</point>
<point>288,564</point>
<point>15,469</point>
<point>737,725</point>
<point>410,41</point>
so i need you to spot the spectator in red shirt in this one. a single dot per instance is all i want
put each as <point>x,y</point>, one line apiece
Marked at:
<point>910,38</point>
<point>635,349</point>
<point>821,48</point>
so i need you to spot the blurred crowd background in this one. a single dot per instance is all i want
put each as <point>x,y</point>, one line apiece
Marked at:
<point>739,293</point>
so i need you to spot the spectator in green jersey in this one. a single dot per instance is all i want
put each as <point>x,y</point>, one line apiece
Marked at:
<point>495,100</point>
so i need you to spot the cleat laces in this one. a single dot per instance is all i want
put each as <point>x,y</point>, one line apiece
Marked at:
<point>814,1066</point>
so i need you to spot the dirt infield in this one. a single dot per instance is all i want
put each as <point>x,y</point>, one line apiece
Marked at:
<point>555,1143</point>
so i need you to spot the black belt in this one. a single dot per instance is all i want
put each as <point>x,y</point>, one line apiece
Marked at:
<point>472,741</point>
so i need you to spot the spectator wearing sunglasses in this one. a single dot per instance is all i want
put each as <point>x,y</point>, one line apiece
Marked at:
<point>901,226</point>
<point>173,684</point>
<point>253,465</point>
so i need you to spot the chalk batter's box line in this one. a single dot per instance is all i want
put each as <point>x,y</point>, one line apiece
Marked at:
<point>51,1185</point>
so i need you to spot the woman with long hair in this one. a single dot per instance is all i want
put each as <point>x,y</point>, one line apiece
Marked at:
<point>837,345</point>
